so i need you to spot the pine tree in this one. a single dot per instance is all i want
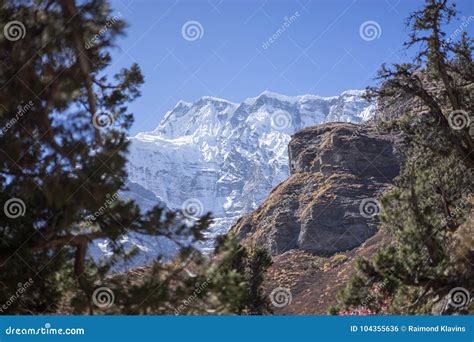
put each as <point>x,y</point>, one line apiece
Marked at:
<point>63,150</point>
<point>428,212</point>
<point>251,262</point>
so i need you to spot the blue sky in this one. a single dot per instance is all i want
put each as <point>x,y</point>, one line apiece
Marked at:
<point>319,51</point>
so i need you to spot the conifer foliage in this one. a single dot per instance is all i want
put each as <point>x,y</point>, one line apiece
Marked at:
<point>428,266</point>
<point>63,150</point>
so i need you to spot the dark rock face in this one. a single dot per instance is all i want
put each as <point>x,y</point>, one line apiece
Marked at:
<point>335,168</point>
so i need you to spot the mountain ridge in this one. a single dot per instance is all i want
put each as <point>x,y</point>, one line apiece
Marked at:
<point>328,203</point>
<point>225,157</point>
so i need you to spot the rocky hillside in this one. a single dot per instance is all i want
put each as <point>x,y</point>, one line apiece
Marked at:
<point>312,281</point>
<point>217,156</point>
<point>318,221</point>
<point>328,204</point>
<point>222,157</point>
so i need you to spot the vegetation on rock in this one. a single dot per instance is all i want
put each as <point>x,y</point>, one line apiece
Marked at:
<point>63,151</point>
<point>428,212</point>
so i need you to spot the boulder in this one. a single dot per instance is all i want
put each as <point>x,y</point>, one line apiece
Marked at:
<point>329,202</point>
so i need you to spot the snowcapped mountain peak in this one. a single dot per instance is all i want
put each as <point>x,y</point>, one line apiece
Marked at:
<point>279,97</point>
<point>182,103</point>
<point>186,119</point>
<point>265,95</point>
<point>210,99</point>
<point>226,157</point>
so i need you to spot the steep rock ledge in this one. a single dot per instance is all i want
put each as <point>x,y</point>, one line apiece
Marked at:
<point>334,167</point>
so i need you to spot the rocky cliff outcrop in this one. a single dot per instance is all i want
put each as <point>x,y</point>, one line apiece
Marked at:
<point>224,157</point>
<point>328,204</point>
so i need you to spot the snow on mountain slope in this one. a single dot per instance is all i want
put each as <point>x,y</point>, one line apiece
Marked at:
<point>222,157</point>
